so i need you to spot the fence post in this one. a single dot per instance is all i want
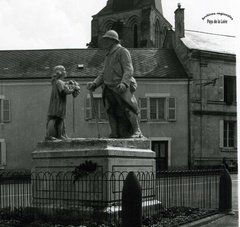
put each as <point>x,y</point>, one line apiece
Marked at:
<point>131,202</point>
<point>225,192</point>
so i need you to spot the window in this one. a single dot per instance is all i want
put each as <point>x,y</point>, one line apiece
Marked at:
<point>157,109</point>
<point>2,152</point>
<point>135,36</point>
<point>229,128</point>
<point>118,27</point>
<point>228,134</point>
<point>227,89</point>
<point>4,110</point>
<point>97,108</point>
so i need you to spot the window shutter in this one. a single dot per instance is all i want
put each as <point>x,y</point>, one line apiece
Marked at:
<point>88,109</point>
<point>171,109</point>
<point>221,131</point>
<point>103,113</point>
<point>221,88</point>
<point>235,135</point>
<point>234,89</point>
<point>143,105</point>
<point>1,110</point>
<point>227,90</point>
<point>2,152</point>
<point>6,110</point>
<point>95,104</point>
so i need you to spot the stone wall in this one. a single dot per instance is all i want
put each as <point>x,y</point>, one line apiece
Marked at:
<point>207,98</point>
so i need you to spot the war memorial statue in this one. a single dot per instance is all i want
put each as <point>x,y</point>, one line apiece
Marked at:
<point>57,107</point>
<point>118,86</point>
<point>127,150</point>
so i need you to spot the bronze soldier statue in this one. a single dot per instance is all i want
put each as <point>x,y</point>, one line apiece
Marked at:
<point>118,86</point>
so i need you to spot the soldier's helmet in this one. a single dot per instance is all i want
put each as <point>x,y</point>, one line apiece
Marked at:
<point>111,34</point>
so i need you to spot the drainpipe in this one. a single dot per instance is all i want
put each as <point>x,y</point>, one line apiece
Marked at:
<point>189,126</point>
<point>73,115</point>
<point>201,106</point>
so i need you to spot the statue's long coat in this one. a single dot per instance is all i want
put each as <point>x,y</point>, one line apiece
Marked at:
<point>118,68</point>
<point>58,99</point>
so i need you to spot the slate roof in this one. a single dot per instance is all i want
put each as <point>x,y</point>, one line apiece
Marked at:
<point>209,42</point>
<point>148,63</point>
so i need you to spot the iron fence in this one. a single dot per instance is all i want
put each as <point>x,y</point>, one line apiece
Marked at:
<point>189,188</point>
<point>15,189</point>
<point>98,196</point>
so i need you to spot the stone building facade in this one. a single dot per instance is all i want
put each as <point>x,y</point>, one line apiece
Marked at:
<point>210,61</point>
<point>139,23</point>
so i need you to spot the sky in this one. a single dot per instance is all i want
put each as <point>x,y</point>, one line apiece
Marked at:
<point>51,24</point>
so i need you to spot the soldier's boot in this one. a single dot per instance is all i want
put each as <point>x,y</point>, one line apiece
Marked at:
<point>113,126</point>
<point>133,118</point>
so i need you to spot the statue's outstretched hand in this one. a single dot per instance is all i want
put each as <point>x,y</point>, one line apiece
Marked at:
<point>122,87</point>
<point>91,86</point>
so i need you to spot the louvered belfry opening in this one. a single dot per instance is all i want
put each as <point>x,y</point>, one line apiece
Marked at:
<point>118,27</point>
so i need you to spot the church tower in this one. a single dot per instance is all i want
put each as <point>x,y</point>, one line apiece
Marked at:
<point>139,23</point>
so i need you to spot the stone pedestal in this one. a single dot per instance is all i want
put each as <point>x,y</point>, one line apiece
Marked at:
<point>113,159</point>
<point>109,154</point>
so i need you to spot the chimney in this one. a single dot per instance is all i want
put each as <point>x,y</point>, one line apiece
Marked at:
<point>179,22</point>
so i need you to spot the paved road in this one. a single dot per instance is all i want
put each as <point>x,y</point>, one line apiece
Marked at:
<point>227,221</point>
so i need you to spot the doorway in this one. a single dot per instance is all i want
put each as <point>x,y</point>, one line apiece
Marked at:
<point>161,150</point>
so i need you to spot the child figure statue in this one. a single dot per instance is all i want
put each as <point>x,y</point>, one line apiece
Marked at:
<point>57,107</point>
